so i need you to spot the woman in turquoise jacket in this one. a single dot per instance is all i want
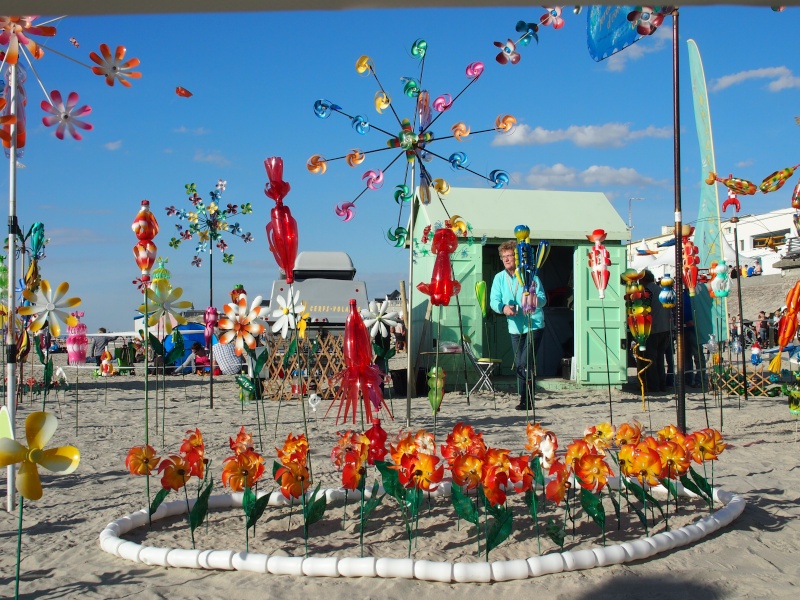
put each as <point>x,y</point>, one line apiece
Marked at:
<point>506,298</point>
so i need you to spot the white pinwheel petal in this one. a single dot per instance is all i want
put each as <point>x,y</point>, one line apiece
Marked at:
<point>227,337</point>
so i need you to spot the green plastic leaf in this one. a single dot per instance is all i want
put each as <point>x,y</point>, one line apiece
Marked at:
<point>174,355</point>
<point>156,345</point>
<point>248,501</point>
<point>276,466</point>
<point>671,487</point>
<point>463,505</point>
<point>413,500</point>
<point>500,529</point>
<point>390,353</point>
<point>39,353</point>
<point>258,509</point>
<point>158,499</point>
<point>642,495</point>
<point>244,382</point>
<point>315,507</point>
<point>48,371</point>
<point>538,474</point>
<point>593,506</point>
<point>637,510</point>
<point>702,483</point>
<point>258,363</point>
<point>555,531</point>
<point>391,482</point>
<point>290,352</point>
<point>200,508</point>
<point>372,503</point>
<point>615,503</point>
<point>532,502</point>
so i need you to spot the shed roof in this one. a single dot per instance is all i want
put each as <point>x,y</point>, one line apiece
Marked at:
<point>550,215</point>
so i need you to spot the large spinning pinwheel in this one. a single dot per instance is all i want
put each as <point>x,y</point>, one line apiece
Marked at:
<point>413,140</point>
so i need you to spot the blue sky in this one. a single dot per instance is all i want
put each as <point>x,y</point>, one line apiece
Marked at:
<point>255,77</point>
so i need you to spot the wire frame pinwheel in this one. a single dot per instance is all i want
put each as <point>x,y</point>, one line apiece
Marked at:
<point>50,306</point>
<point>208,223</point>
<point>413,140</point>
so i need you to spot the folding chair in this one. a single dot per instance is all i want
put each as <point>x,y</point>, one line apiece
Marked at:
<point>484,366</point>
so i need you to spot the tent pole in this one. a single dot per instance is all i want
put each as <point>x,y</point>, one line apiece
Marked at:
<point>11,348</point>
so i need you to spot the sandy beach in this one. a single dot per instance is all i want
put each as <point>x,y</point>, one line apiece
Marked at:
<point>755,557</point>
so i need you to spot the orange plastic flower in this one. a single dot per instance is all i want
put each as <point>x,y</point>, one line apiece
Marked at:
<point>702,446</point>
<point>599,437</point>
<point>593,471</point>
<point>520,472</point>
<point>497,458</point>
<point>350,441</point>
<point>175,472</point>
<point>141,460</point>
<point>242,470</point>
<point>675,460</point>
<point>421,471</point>
<point>463,441</point>
<point>295,449</point>
<point>646,465</point>
<point>542,442</point>
<point>467,471</point>
<point>193,449</point>
<point>242,442</point>
<point>494,485</point>
<point>425,442</point>
<point>294,479</point>
<point>716,438</point>
<point>405,445</point>
<point>557,488</point>
<point>575,451</point>
<point>629,433</point>
<point>625,458</point>
<point>671,433</point>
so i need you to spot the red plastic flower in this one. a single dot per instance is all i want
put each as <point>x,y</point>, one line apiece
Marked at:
<point>557,488</point>
<point>463,441</point>
<point>508,53</point>
<point>646,465</point>
<point>629,433</point>
<point>242,442</point>
<point>295,449</point>
<point>467,471</point>
<point>494,485</point>
<point>112,68</point>
<point>193,450</point>
<point>520,473</point>
<point>377,442</point>
<point>575,451</point>
<point>646,18</point>
<point>350,442</point>
<point>421,471</point>
<point>175,471</point>
<point>141,460</point>
<point>352,470</point>
<point>675,460</point>
<point>405,445</point>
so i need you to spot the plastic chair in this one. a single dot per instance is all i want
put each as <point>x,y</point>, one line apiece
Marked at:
<point>484,366</point>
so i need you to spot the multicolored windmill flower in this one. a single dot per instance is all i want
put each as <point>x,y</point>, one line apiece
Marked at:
<point>242,470</point>
<point>241,323</point>
<point>141,460</point>
<point>112,67</point>
<point>164,303</point>
<point>66,115</point>
<point>15,31</point>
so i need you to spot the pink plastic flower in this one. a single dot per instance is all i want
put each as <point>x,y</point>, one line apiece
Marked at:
<point>112,67</point>
<point>508,53</point>
<point>66,116</point>
<point>552,17</point>
<point>15,31</point>
<point>646,18</point>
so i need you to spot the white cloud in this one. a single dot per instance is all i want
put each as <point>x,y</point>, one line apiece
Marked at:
<point>609,135</point>
<point>195,131</point>
<point>113,145</point>
<point>744,163</point>
<point>782,78</point>
<point>562,176</point>
<point>647,45</point>
<point>214,157</point>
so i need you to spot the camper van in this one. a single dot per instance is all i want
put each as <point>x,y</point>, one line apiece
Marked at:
<point>326,282</point>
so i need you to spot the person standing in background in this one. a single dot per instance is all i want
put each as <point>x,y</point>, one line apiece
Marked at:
<point>505,299</point>
<point>659,341</point>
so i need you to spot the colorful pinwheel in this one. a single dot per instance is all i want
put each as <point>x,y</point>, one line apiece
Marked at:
<point>66,115</point>
<point>112,67</point>
<point>286,315</point>
<point>14,31</point>
<point>377,320</point>
<point>414,139</point>
<point>164,303</point>
<point>240,323</point>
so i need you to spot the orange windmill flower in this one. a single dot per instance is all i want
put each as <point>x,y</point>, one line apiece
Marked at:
<point>629,433</point>
<point>467,471</point>
<point>593,472</point>
<point>353,470</point>
<point>242,470</point>
<point>141,460</point>
<point>646,465</point>
<point>675,460</point>
<point>294,479</point>
<point>557,488</point>
<point>295,449</point>
<point>175,471</point>
<point>242,442</point>
<point>599,437</point>
<point>421,471</point>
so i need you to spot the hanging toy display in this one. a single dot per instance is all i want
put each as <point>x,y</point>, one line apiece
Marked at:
<point>667,294</point>
<point>787,327</point>
<point>442,286</point>
<point>638,307</point>
<point>755,354</point>
<point>721,284</point>
<point>599,261</point>
<point>282,234</point>
<point>690,262</point>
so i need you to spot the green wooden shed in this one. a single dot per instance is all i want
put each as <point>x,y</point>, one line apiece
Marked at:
<point>575,342</point>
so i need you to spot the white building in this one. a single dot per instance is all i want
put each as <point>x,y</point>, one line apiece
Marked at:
<point>761,238</point>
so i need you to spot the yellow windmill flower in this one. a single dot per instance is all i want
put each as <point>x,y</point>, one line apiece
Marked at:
<point>164,302</point>
<point>48,306</point>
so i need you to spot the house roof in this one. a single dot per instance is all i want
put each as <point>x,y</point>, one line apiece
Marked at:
<point>550,215</point>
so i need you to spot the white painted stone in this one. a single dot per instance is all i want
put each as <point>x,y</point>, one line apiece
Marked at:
<point>509,570</point>
<point>544,565</point>
<point>357,567</point>
<point>694,533</point>
<point>114,526</point>
<point>480,572</point>
<point>285,565</point>
<point>129,551</point>
<point>395,567</point>
<point>250,561</point>
<point>316,566</point>
<point>429,570</point>
<point>138,519</point>
<point>154,556</point>
<point>184,558</point>
<point>579,560</point>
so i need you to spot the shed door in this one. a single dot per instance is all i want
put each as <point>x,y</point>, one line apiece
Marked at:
<point>596,338</point>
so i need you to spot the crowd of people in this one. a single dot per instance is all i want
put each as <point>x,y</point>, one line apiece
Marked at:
<point>747,270</point>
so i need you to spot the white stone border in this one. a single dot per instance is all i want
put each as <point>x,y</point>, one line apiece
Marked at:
<point>407,568</point>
